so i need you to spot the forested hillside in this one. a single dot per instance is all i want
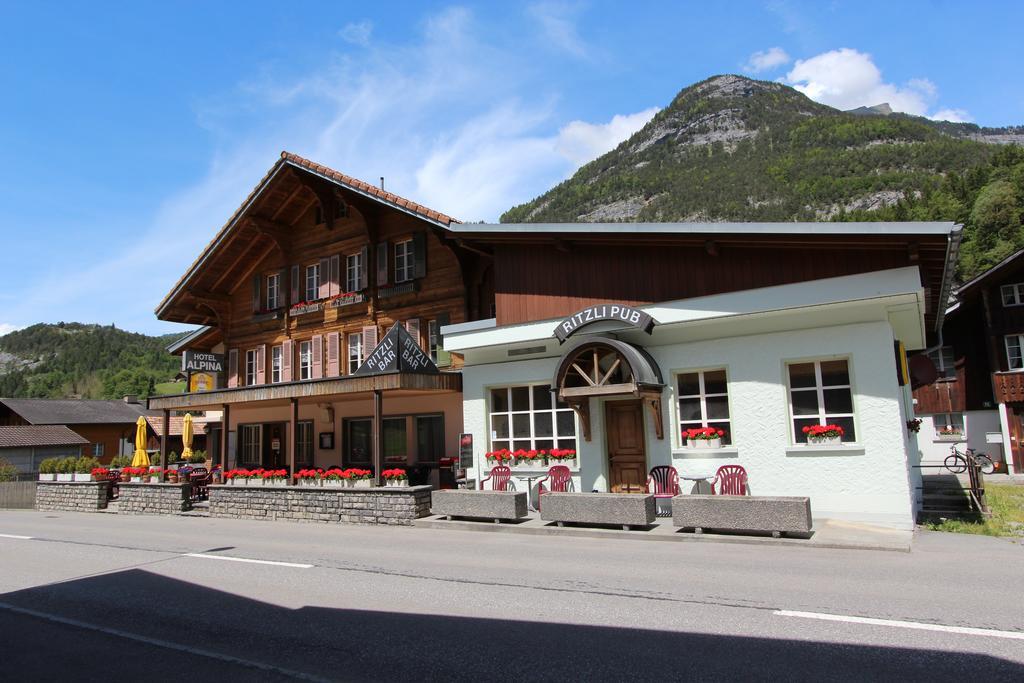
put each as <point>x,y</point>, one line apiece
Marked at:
<point>87,361</point>
<point>732,148</point>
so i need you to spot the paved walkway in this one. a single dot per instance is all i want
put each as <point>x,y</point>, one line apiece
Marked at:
<point>826,533</point>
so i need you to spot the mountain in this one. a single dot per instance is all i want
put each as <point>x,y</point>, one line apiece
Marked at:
<point>736,149</point>
<point>73,360</point>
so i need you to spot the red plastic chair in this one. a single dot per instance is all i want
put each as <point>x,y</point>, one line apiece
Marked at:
<point>561,481</point>
<point>500,477</point>
<point>663,482</point>
<point>731,481</point>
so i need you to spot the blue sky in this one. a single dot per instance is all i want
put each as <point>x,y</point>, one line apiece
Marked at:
<point>131,131</point>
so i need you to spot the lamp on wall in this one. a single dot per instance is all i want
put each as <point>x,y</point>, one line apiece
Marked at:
<point>329,412</point>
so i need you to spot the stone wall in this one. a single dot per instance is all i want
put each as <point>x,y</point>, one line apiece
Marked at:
<point>71,496</point>
<point>154,499</point>
<point>381,505</point>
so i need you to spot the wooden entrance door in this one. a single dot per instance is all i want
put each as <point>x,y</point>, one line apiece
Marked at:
<point>1015,450</point>
<point>627,458</point>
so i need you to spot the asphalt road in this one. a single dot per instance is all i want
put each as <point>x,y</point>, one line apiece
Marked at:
<point>114,598</point>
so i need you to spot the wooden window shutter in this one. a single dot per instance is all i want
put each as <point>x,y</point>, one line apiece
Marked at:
<point>318,356</point>
<point>287,353</point>
<point>257,291</point>
<point>232,368</point>
<point>364,268</point>
<point>369,341</point>
<point>282,281</point>
<point>382,263</point>
<point>295,298</point>
<point>333,341</point>
<point>325,278</point>
<point>419,253</point>
<point>261,364</point>
<point>412,326</point>
<point>335,279</point>
<point>444,358</point>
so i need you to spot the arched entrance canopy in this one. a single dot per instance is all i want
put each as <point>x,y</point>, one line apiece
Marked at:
<point>601,366</point>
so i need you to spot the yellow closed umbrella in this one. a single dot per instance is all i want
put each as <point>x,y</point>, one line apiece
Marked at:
<point>186,437</point>
<point>141,458</point>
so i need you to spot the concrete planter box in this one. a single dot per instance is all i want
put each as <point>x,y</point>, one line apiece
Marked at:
<point>336,483</point>
<point>493,505</point>
<point>47,477</point>
<point>309,483</point>
<point>396,483</point>
<point>617,509</point>
<point>777,514</point>
<point>361,483</point>
<point>65,476</point>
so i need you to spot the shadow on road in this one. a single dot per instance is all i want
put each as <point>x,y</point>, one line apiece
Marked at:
<point>369,645</point>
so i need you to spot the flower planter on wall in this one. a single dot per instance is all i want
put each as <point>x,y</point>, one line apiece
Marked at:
<point>704,443</point>
<point>396,483</point>
<point>47,477</point>
<point>336,483</point>
<point>65,476</point>
<point>79,476</point>
<point>362,483</point>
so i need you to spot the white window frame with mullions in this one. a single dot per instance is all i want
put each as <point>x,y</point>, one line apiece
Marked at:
<point>405,261</point>
<point>313,275</point>
<point>276,356</point>
<point>354,272</point>
<point>822,415</point>
<point>699,400</point>
<point>355,351</point>
<point>1014,346</point>
<point>273,291</point>
<point>1012,295</point>
<point>251,358</point>
<point>518,417</point>
<point>306,360</point>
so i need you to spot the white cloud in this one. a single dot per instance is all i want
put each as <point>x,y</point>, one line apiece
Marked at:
<point>954,115</point>
<point>357,32</point>
<point>580,142</point>
<point>429,116</point>
<point>766,60</point>
<point>558,25</point>
<point>6,328</point>
<point>847,79</point>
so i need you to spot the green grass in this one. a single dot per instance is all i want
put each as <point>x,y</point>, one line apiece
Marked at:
<point>1007,504</point>
<point>163,388</point>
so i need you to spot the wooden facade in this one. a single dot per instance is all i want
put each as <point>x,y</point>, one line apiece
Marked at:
<point>547,274</point>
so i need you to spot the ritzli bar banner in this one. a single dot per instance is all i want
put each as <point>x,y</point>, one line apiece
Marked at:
<point>620,313</point>
<point>397,352</point>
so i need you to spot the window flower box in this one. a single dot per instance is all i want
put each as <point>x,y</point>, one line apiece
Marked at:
<point>949,434</point>
<point>395,477</point>
<point>500,457</point>
<point>346,299</point>
<point>562,456</point>
<point>304,307</point>
<point>824,435</point>
<point>704,437</point>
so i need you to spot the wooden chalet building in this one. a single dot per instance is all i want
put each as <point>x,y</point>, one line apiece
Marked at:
<point>978,394</point>
<point>295,292</point>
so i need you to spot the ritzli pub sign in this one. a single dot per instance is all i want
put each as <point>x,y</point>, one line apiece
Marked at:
<point>616,313</point>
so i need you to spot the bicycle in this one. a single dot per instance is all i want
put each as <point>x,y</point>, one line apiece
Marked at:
<point>956,462</point>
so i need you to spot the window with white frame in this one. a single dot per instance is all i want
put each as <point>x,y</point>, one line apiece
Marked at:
<point>944,361</point>
<point>275,364</point>
<point>819,394</point>
<point>1013,295</point>
<point>355,351</point>
<point>249,444</point>
<point>97,450</point>
<point>432,339</point>
<point>273,291</point>
<point>704,401</point>
<point>1014,343</point>
<point>353,272</point>
<point>250,367</point>
<point>313,282</point>
<point>306,360</point>
<point>530,417</point>
<point>949,424</point>
<point>403,261</point>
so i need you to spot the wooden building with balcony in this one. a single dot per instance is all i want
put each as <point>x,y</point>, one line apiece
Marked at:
<point>295,292</point>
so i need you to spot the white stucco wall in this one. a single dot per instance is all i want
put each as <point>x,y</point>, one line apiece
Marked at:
<point>976,424</point>
<point>868,481</point>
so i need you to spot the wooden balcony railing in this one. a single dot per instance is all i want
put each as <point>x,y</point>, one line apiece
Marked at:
<point>1008,386</point>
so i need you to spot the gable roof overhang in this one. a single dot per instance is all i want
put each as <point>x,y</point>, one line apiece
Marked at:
<point>290,188</point>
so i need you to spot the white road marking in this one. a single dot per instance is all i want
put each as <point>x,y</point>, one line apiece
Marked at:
<point>246,559</point>
<point>157,642</point>
<point>20,538</point>
<point>922,626</point>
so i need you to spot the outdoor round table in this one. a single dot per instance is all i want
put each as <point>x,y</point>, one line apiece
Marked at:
<point>530,478</point>
<point>698,479</point>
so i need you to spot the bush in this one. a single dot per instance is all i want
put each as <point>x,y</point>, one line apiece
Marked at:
<point>120,461</point>
<point>66,465</point>
<point>197,457</point>
<point>48,466</point>
<point>8,472</point>
<point>85,464</point>
<point>173,457</point>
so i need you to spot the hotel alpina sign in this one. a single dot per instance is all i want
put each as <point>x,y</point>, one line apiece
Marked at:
<point>201,361</point>
<point>620,313</point>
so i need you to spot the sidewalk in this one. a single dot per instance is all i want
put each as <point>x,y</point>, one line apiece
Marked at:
<point>826,533</point>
